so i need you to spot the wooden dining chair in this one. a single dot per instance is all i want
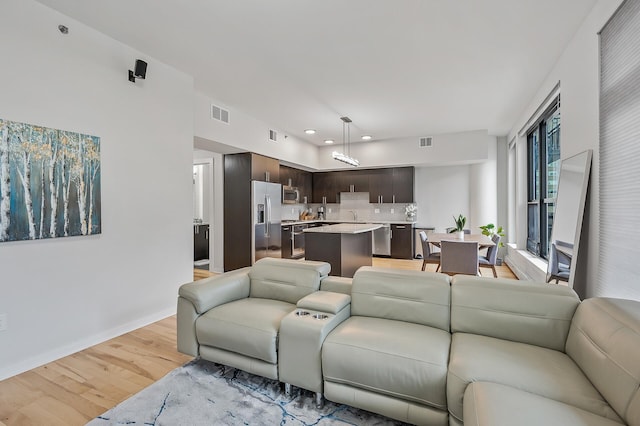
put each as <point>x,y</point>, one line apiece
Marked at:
<point>427,255</point>
<point>459,257</point>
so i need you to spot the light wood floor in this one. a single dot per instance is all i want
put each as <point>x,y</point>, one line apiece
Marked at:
<point>75,389</point>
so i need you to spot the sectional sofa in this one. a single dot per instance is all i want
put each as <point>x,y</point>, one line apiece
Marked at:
<point>422,347</point>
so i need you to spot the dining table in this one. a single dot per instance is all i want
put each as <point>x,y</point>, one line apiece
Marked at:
<point>482,240</point>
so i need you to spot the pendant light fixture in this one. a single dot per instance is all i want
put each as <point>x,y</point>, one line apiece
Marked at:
<point>345,155</point>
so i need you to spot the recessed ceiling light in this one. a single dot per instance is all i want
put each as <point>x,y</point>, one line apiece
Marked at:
<point>366,138</point>
<point>310,132</point>
<point>328,141</point>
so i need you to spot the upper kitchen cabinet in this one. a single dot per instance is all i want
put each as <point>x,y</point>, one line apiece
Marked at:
<point>380,186</point>
<point>301,179</point>
<point>393,185</point>
<point>352,181</point>
<point>325,187</point>
<point>305,186</point>
<point>403,181</point>
<point>264,169</point>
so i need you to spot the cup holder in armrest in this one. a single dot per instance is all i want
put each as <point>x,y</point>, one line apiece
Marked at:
<point>320,316</point>
<point>302,313</point>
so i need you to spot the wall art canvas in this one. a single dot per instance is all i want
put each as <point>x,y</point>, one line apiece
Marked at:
<point>49,182</point>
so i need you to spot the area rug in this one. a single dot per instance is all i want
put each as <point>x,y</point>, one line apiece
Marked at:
<point>204,393</point>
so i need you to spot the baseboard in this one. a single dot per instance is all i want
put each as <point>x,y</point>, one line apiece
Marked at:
<point>63,351</point>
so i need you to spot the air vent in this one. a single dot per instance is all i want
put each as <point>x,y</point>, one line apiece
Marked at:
<point>219,114</point>
<point>426,141</point>
<point>273,135</point>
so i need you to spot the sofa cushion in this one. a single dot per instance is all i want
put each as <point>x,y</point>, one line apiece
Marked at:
<point>533,313</point>
<point>533,369</point>
<point>412,296</point>
<point>605,342</point>
<point>491,404</point>
<point>404,360</point>
<point>248,327</point>
<point>286,279</point>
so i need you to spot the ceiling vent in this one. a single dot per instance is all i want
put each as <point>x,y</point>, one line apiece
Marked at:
<point>273,135</point>
<point>219,114</point>
<point>426,141</point>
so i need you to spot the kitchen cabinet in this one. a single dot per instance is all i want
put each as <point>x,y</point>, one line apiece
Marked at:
<point>200,242</point>
<point>401,241</point>
<point>403,182</point>
<point>352,181</point>
<point>380,186</point>
<point>264,169</point>
<point>305,186</point>
<point>300,179</point>
<point>239,172</point>
<point>325,187</point>
<point>286,241</point>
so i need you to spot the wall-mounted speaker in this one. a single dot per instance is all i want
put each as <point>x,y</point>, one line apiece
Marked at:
<point>140,71</point>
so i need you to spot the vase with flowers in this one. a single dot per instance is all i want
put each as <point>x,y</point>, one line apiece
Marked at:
<point>411,212</point>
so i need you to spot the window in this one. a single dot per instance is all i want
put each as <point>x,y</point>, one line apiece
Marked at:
<point>543,165</point>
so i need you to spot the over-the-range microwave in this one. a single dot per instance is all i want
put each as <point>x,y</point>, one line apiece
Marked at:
<point>290,195</point>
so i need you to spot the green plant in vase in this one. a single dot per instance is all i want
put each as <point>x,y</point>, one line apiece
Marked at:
<point>460,221</point>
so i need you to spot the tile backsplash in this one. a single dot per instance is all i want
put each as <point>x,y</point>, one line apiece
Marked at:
<point>350,203</point>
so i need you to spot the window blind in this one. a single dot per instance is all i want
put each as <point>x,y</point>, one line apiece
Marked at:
<point>619,269</point>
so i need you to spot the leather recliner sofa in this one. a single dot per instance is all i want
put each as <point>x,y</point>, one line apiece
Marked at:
<point>425,348</point>
<point>234,318</point>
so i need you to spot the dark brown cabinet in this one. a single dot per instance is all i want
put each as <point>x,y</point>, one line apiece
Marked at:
<point>300,179</point>
<point>393,185</point>
<point>403,181</point>
<point>264,169</point>
<point>380,186</point>
<point>239,170</point>
<point>401,241</point>
<point>286,241</point>
<point>325,187</point>
<point>200,242</point>
<point>352,181</point>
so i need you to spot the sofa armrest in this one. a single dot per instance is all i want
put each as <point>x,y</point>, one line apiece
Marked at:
<point>325,301</point>
<point>218,290</point>
<point>336,284</point>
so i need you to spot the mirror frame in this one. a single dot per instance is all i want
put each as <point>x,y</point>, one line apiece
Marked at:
<point>588,154</point>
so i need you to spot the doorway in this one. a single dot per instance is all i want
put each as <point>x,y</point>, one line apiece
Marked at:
<point>202,213</point>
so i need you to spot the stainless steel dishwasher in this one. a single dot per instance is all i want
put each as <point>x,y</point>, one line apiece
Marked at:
<point>382,240</point>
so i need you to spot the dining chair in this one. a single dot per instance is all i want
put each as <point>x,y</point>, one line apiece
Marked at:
<point>559,262</point>
<point>459,257</point>
<point>489,261</point>
<point>427,255</point>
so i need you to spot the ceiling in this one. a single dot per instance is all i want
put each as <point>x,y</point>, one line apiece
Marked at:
<point>401,68</point>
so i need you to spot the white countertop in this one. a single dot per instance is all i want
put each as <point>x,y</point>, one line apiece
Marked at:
<point>345,228</point>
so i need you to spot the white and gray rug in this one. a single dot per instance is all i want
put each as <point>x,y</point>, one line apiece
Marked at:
<point>204,393</point>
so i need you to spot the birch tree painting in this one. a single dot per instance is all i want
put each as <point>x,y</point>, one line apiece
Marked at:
<point>49,182</point>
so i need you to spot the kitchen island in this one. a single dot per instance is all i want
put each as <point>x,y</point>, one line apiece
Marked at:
<point>346,246</point>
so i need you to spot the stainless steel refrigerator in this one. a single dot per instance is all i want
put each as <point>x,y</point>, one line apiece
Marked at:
<point>266,216</point>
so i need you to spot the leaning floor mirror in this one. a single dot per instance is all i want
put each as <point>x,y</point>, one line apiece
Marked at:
<point>567,222</point>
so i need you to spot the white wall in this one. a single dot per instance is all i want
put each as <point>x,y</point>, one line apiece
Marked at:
<point>65,294</point>
<point>441,193</point>
<point>577,69</point>
<point>248,134</point>
<point>452,148</point>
